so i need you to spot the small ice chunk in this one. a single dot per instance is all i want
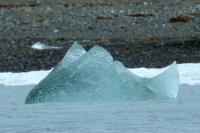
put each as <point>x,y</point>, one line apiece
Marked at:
<point>55,30</point>
<point>42,46</point>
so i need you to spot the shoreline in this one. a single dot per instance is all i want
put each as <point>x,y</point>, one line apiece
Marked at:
<point>24,58</point>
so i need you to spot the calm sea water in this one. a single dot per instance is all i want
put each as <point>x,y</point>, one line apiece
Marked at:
<point>178,116</point>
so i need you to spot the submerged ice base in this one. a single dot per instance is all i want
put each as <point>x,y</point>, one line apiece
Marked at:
<point>94,76</point>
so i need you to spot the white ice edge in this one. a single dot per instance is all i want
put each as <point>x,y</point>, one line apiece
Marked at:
<point>42,46</point>
<point>189,74</point>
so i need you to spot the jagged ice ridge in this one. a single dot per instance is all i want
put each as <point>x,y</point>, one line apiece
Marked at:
<point>94,76</point>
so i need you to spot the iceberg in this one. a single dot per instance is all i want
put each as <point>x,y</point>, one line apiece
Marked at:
<point>95,76</point>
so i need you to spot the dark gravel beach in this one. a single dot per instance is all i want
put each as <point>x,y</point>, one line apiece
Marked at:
<point>138,33</point>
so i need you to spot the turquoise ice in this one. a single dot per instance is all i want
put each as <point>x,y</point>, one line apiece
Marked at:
<point>94,76</point>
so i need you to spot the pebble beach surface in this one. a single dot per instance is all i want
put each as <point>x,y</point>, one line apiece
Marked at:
<point>138,33</point>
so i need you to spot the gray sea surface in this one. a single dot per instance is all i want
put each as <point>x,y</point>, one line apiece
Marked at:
<point>168,116</point>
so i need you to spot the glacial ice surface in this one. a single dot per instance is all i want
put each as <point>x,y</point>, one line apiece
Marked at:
<point>94,76</point>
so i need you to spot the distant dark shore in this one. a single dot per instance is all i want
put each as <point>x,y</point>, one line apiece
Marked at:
<point>25,58</point>
<point>138,33</point>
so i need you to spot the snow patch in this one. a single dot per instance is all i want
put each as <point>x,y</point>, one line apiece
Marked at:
<point>42,46</point>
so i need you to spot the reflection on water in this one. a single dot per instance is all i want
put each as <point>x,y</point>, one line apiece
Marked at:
<point>181,115</point>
